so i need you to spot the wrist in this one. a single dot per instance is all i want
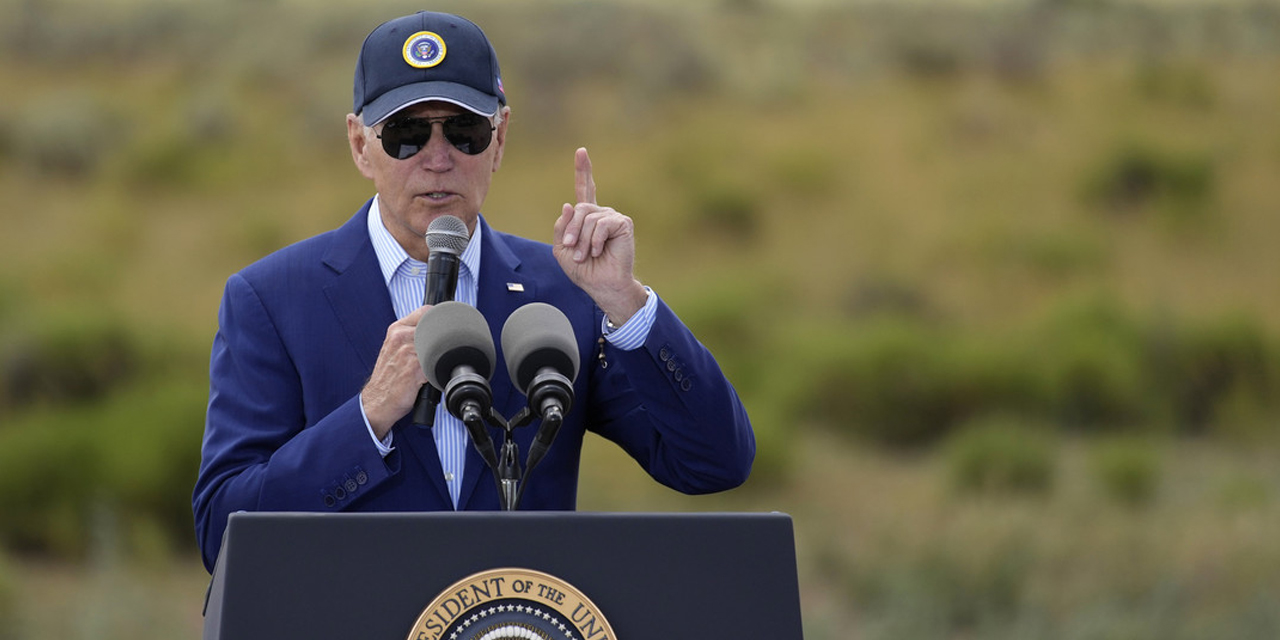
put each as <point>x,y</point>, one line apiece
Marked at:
<point>378,424</point>
<point>619,308</point>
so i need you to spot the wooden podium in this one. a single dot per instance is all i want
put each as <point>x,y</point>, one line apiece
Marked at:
<point>373,576</point>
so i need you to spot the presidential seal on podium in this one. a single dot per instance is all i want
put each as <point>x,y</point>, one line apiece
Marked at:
<point>511,604</point>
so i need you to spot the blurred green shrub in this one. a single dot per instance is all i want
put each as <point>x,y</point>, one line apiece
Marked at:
<point>727,211</point>
<point>881,295</point>
<point>1183,84</point>
<point>1089,366</point>
<point>48,481</point>
<point>725,198</point>
<point>11,298</point>
<point>1088,360</point>
<point>896,381</point>
<point>1136,176</point>
<point>8,129</point>
<point>1245,491</point>
<point>727,319</point>
<point>806,173</point>
<point>930,60</point>
<point>135,454</point>
<point>65,360</point>
<point>886,381</point>
<point>193,144</point>
<point>946,589</point>
<point>1000,454</point>
<point>70,134</point>
<point>9,619</point>
<point>775,433</point>
<point>1057,255</point>
<point>1204,369</point>
<point>731,323</point>
<point>1127,469</point>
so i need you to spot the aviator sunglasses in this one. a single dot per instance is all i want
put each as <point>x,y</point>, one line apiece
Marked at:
<point>469,133</point>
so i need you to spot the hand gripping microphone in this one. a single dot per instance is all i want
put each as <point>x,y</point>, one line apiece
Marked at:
<point>447,238</point>
<point>542,358</point>
<point>456,352</point>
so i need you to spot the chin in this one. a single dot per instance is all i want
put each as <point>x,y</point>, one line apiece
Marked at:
<point>468,218</point>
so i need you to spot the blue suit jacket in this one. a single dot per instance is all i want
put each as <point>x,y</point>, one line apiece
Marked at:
<point>300,330</point>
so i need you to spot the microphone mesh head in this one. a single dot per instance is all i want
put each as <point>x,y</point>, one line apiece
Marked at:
<point>452,334</point>
<point>539,335</point>
<point>448,234</point>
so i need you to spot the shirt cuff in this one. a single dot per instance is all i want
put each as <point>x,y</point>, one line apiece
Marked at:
<point>635,330</point>
<point>383,445</point>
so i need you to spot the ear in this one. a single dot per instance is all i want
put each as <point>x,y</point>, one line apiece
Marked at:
<point>501,140</point>
<point>359,145</point>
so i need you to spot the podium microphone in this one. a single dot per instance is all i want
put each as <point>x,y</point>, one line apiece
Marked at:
<point>542,359</point>
<point>447,238</point>
<point>456,352</point>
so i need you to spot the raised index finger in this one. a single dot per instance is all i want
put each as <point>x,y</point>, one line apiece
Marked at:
<point>583,184</point>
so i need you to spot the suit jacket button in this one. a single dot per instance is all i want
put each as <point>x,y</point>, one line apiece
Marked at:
<point>350,485</point>
<point>339,493</point>
<point>671,365</point>
<point>329,500</point>
<point>678,375</point>
<point>664,354</point>
<point>687,384</point>
<point>362,478</point>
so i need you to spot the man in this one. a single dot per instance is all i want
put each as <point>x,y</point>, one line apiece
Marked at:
<point>313,371</point>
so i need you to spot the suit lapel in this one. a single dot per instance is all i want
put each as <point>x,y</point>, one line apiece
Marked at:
<point>359,298</point>
<point>357,294</point>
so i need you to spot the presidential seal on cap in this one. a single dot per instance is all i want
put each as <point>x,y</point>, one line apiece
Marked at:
<point>422,57</point>
<point>424,50</point>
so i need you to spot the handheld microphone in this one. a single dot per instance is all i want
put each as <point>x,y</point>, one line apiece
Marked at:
<point>456,352</point>
<point>447,238</point>
<point>542,359</point>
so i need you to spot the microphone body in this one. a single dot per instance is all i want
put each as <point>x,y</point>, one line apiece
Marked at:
<point>542,359</point>
<point>442,277</point>
<point>447,238</point>
<point>457,353</point>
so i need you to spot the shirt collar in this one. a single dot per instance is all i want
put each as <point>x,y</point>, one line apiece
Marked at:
<point>391,255</point>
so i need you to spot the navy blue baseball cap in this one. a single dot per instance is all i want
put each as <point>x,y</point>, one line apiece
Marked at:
<point>426,56</point>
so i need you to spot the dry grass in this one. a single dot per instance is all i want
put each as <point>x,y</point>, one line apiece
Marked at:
<point>953,185</point>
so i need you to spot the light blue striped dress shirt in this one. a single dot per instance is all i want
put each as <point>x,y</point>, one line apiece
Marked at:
<point>406,280</point>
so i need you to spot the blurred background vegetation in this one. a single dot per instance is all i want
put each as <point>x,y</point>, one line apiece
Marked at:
<point>997,281</point>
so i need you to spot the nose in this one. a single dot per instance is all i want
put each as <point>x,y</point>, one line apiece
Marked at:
<point>438,154</point>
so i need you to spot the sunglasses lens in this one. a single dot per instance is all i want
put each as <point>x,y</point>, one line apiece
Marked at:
<point>402,139</point>
<point>468,133</point>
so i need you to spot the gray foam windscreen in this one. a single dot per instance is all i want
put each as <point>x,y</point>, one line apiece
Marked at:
<point>452,334</point>
<point>538,335</point>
